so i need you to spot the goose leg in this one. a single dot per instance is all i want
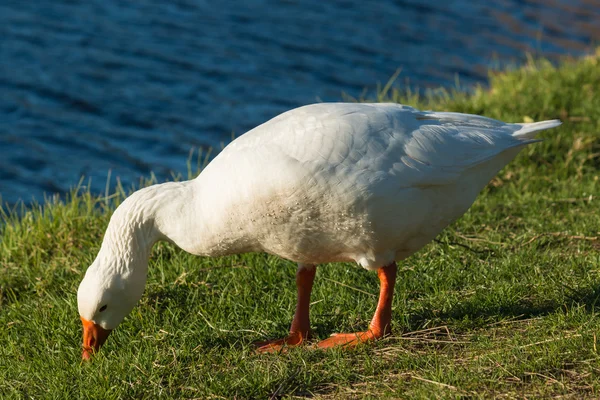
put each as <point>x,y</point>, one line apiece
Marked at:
<point>381,323</point>
<point>300,329</point>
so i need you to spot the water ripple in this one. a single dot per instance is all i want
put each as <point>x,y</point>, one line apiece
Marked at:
<point>133,86</point>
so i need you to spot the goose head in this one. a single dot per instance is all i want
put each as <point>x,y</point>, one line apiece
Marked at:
<point>115,281</point>
<point>106,295</point>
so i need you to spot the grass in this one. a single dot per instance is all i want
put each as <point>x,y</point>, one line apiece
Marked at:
<point>503,304</point>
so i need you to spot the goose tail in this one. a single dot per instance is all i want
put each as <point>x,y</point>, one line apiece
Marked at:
<point>529,130</point>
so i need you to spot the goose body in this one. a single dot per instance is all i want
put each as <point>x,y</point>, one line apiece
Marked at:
<point>369,183</point>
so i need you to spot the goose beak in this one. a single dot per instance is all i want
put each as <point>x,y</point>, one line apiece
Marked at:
<point>94,336</point>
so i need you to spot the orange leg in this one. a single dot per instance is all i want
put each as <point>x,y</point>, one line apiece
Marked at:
<point>381,323</point>
<point>300,329</point>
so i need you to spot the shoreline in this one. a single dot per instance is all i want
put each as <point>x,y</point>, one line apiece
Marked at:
<point>478,99</point>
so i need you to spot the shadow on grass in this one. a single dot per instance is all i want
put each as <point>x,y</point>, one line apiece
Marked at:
<point>465,314</point>
<point>588,297</point>
<point>469,314</point>
<point>472,313</point>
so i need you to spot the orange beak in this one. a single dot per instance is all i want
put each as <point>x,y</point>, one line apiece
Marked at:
<point>94,336</point>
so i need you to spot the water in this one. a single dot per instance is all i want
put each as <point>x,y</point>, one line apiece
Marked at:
<point>131,87</point>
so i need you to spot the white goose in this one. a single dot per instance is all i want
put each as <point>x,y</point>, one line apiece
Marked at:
<point>369,183</point>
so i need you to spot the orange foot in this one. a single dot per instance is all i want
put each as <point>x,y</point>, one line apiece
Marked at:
<point>277,345</point>
<point>347,339</point>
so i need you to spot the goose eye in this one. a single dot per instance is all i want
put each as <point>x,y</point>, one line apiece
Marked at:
<point>103,308</point>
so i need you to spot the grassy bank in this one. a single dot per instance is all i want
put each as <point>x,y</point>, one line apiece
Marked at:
<point>503,304</point>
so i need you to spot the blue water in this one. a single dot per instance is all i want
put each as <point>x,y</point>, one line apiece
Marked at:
<point>132,86</point>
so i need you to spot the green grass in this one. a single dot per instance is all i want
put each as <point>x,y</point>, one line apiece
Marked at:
<point>503,304</point>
